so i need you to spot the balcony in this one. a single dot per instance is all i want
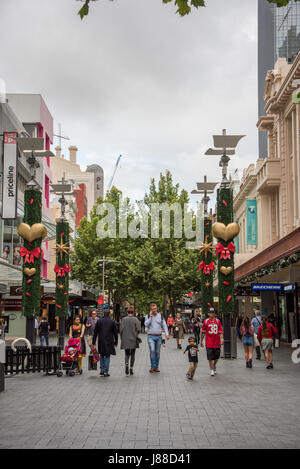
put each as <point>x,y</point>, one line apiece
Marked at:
<point>269,175</point>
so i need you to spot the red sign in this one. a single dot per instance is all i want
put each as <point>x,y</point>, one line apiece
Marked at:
<point>12,305</point>
<point>9,138</point>
<point>100,300</point>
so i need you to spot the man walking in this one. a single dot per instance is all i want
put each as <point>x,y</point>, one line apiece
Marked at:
<point>107,334</point>
<point>90,327</point>
<point>256,322</point>
<point>155,324</point>
<point>213,332</point>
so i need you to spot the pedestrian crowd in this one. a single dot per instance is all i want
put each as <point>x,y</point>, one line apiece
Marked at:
<point>102,333</point>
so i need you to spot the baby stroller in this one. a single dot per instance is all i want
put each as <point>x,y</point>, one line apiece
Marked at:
<point>70,359</point>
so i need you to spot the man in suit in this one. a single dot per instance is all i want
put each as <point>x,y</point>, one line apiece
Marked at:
<point>107,333</point>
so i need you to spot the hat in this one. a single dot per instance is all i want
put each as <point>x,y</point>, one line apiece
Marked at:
<point>211,310</point>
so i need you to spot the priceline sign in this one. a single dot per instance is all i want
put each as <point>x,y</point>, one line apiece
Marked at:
<point>9,186</point>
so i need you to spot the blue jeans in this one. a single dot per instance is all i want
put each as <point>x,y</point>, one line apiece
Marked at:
<point>44,337</point>
<point>104,363</point>
<point>154,342</point>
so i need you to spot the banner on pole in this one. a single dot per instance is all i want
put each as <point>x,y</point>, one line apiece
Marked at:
<point>251,222</point>
<point>9,186</point>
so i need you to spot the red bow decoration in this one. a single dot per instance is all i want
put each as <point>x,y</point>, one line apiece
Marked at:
<point>225,251</point>
<point>29,255</point>
<point>207,268</point>
<point>61,271</point>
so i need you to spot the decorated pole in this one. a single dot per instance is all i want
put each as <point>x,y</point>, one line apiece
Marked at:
<point>62,266</point>
<point>207,264</point>
<point>62,269</point>
<point>32,231</point>
<point>225,231</point>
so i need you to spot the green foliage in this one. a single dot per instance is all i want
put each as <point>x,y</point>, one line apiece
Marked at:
<point>207,292</point>
<point>31,292</point>
<point>147,268</point>
<point>281,3</point>
<point>184,7</point>
<point>62,295</point>
<point>225,215</point>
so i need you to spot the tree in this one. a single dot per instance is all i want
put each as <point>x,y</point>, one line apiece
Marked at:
<point>148,268</point>
<point>184,7</point>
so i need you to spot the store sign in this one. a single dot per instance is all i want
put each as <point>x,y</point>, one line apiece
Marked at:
<point>12,305</point>
<point>266,287</point>
<point>251,222</point>
<point>288,288</point>
<point>245,291</point>
<point>9,186</point>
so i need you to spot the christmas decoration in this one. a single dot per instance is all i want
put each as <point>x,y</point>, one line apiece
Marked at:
<point>206,248</point>
<point>62,267</point>
<point>226,270</point>
<point>29,255</point>
<point>206,268</point>
<point>207,259</point>
<point>225,251</point>
<point>29,272</point>
<point>32,231</point>
<point>225,230</point>
<point>62,248</point>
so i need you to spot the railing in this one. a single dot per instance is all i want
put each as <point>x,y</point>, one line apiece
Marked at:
<point>40,359</point>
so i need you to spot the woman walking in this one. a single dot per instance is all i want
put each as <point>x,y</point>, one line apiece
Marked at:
<point>129,330</point>
<point>266,334</point>
<point>179,330</point>
<point>247,333</point>
<point>196,325</point>
<point>77,332</point>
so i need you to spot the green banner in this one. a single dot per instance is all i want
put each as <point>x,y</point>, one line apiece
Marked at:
<point>251,222</point>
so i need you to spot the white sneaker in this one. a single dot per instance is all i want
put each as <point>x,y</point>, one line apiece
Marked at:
<point>215,371</point>
<point>212,373</point>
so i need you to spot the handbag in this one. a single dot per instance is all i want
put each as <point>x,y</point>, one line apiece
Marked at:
<point>138,340</point>
<point>92,364</point>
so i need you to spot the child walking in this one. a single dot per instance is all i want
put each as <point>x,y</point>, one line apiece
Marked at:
<point>192,350</point>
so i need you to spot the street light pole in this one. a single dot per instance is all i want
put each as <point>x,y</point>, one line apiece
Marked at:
<point>104,261</point>
<point>206,250</point>
<point>224,146</point>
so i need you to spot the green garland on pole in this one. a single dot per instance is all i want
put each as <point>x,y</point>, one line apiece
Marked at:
<point>207,280</point>
<point>62,268</point>
<point>226,281</point>
<point>31,288</point>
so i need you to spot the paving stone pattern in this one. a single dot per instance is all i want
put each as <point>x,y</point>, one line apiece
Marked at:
<point>238,408</point>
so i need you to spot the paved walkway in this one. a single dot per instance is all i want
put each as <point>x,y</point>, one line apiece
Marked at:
<point>238,408</point>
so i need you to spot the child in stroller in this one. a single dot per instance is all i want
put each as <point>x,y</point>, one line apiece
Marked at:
<point>70,359</point>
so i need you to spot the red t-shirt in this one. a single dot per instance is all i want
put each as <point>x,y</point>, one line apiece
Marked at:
<point>212,330</point>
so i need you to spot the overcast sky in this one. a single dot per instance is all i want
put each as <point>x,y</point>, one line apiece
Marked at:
<point>134,78</point>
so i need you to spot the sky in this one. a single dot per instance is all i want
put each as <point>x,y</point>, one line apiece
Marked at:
<point>134,78</point>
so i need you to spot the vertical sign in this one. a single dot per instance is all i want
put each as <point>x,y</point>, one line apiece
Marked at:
<point>251,222</point>
<point>9,186</point>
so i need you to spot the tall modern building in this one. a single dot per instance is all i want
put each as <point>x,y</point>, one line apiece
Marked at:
<point>278,36</point>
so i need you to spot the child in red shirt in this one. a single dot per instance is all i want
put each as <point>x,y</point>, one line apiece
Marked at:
<point>213,332</point>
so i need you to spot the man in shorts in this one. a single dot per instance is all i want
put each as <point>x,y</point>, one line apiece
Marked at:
<point>213,332</point>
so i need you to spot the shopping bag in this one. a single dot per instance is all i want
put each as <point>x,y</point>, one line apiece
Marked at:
<point>92,364</point>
